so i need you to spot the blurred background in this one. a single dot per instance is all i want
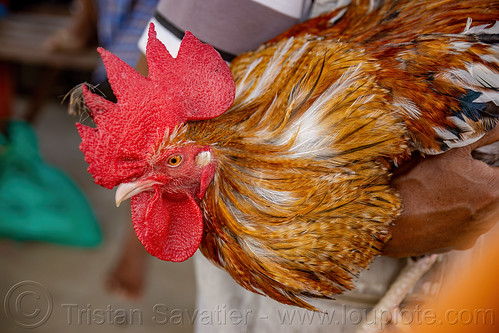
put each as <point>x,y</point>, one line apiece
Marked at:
<point>61,235</point>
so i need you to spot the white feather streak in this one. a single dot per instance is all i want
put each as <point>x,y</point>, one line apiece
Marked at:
<point>310,135</point>
<point>477,77</point>
<point>277,197</point>
<point>464,142</point>
<point>481,29</point>
<point>445,134</point>
<point>245,82</point>
<point>270,73</point>
<point>408,107</point>
<point>462,125</point>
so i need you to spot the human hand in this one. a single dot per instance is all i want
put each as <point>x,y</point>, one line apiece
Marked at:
<point>448,200</point>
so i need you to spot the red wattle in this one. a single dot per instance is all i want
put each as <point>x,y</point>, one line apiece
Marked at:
<point>169,227</point>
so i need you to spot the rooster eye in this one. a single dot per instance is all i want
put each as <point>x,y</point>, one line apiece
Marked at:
<point>174,160</point>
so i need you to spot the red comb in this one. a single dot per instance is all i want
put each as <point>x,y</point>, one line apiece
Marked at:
<point>195,85</point>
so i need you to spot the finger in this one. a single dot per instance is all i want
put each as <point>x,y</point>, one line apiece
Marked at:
<point>489,138</point>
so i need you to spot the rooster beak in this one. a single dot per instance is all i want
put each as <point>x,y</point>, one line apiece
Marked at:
<point>128,190</point>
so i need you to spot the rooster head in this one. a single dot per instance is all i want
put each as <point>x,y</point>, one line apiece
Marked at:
<point>129,146</point>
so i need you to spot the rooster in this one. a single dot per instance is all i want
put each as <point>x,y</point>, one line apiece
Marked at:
<point>279,172</point>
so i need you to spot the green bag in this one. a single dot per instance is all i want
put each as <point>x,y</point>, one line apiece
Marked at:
<point>37,201</point>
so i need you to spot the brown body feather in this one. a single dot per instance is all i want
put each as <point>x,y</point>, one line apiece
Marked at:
<point>301,201</point>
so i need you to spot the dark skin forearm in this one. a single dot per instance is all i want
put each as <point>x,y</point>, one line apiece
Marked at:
<point>448,200</point>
